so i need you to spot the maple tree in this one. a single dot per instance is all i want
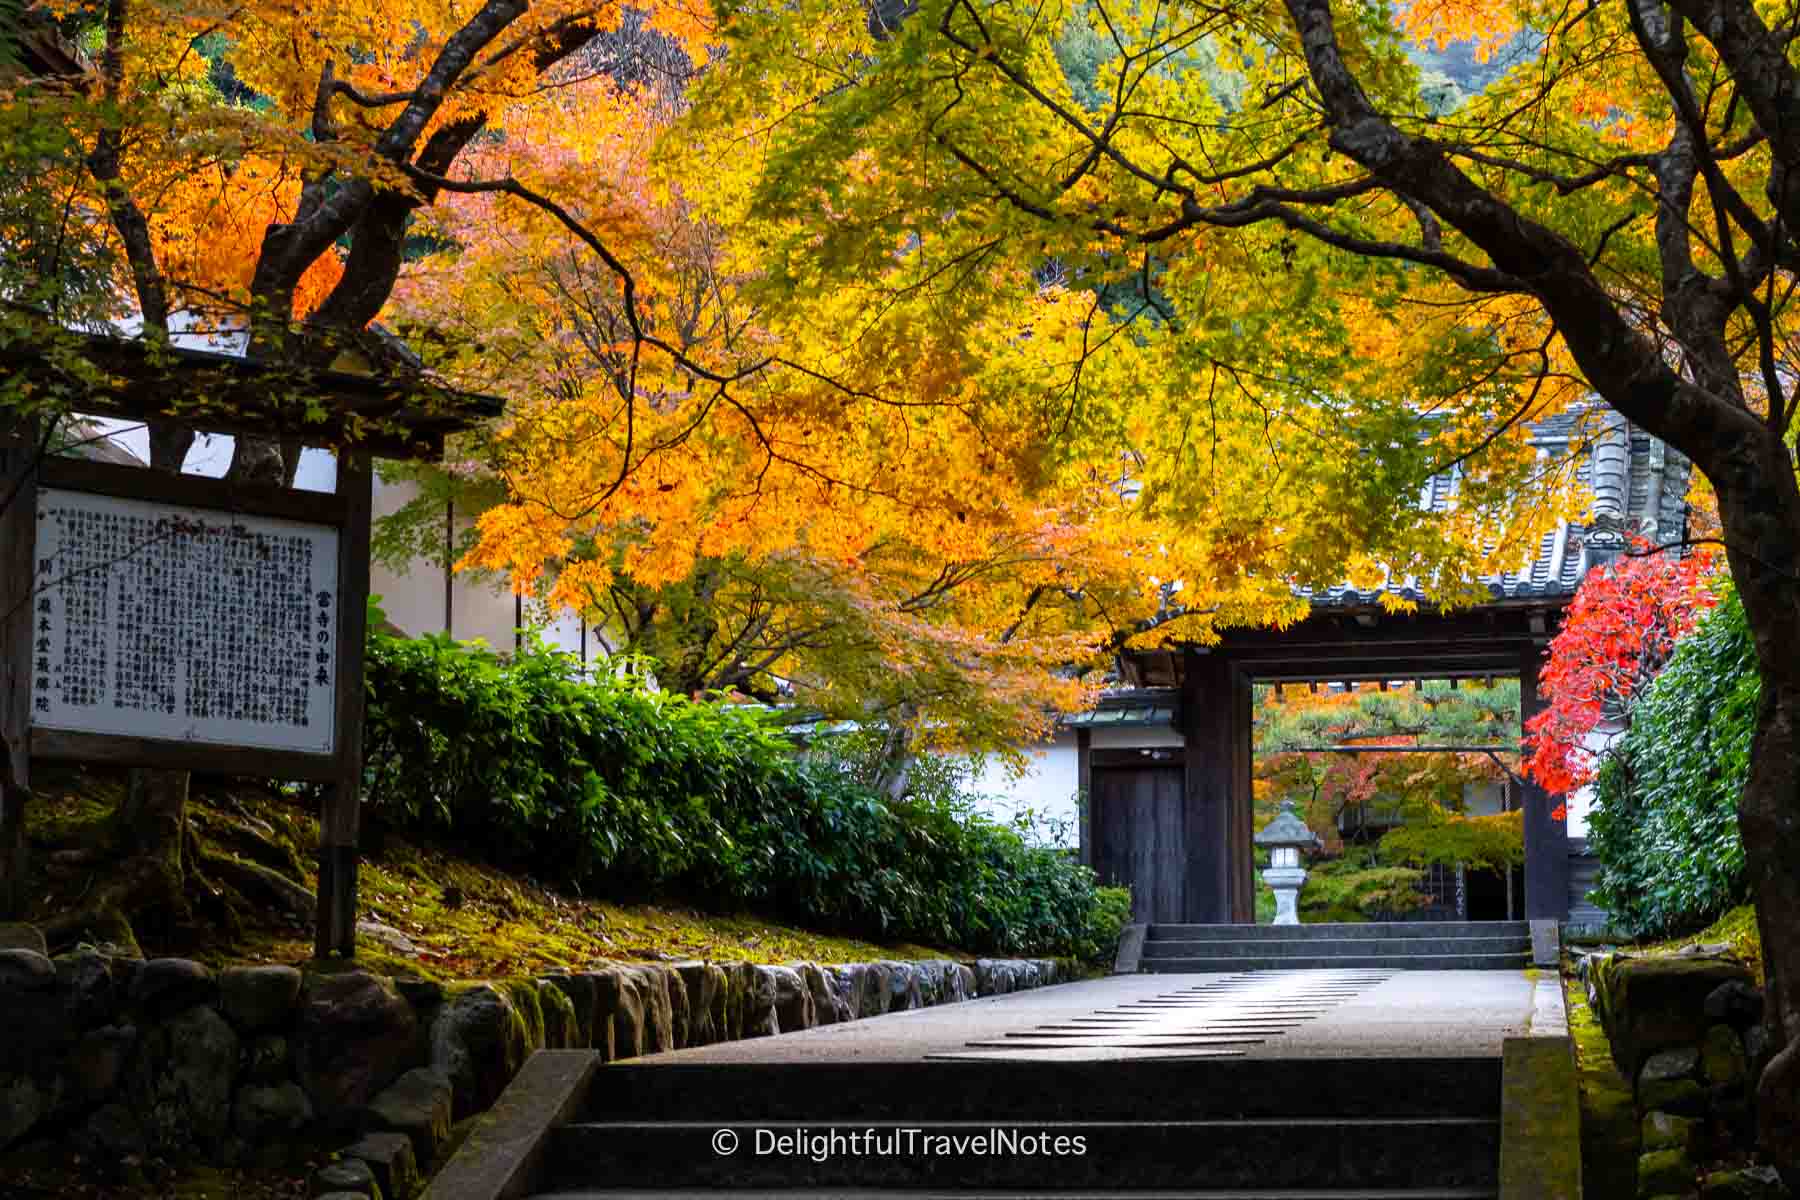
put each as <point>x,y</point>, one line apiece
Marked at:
<point>869,529</point>
<point>1616,634</point>
<point>949,514</point>
<point>253,171</point>
<point>1380,276</point>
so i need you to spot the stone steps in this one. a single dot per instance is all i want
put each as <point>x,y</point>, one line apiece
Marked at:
<point>928,1090</point>
<point>1428,1193</point>
<point>1195,1129</point>
<point>1319,962</point>
<point>1404,945</point>
<point>1292,1152</point>
<point>1369,929</point>
<point>1276,947</point>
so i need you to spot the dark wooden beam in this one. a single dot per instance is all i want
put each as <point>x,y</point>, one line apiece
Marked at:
<point>340,810</point>
<point>1084,786</point>
<point>395,416</point>
<point>1546,839</point>
<point>192,491</point>
<point>1269,666</point>
<point>1328,630</point>
<point>174,754</point>
<point>1240,811</point>
<point>1216,699</point>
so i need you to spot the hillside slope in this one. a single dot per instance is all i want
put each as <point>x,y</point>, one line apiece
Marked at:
<point>436,911</point>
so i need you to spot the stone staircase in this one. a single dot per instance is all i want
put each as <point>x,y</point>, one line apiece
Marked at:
<point>1415,945</point>
<point>1222,1129</point>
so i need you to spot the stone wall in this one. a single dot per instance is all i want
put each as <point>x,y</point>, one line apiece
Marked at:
<point>1686,1032</point>
<point>122,1058</point>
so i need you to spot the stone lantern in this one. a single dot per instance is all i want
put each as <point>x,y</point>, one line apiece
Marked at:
<point>1284,836</point>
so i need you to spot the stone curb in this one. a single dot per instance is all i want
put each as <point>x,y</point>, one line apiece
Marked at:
<point>1540,1104</point>
<point>1131,949</point>
<point>500,1157</point>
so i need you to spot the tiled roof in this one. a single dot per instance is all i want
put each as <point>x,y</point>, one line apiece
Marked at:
<point>1639,485</point>
<point>1122,709</point>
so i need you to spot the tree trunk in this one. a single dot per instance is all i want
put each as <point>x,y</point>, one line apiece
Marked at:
<point>1769,817</point>
<point>12,844</point>
<point>892,769</point>
<point>1759,507</point>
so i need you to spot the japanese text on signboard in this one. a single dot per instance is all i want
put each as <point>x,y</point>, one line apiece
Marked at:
<point>151,620</point>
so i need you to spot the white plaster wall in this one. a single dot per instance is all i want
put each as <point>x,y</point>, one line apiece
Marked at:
<point>1581,800</point>
<point>482,607</point>
<point>1048,788</point>
<point>1050,785</point>
<point>413,598</point>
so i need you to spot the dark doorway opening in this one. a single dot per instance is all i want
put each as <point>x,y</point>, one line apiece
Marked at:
<point>1489,895</point>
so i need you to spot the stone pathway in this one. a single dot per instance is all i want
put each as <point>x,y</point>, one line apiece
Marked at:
<point>1270,1014</point>
<point>1221,1018</point>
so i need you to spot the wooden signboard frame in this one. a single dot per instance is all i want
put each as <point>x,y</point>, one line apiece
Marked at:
<point>347,511</point>
<point>399,417</point>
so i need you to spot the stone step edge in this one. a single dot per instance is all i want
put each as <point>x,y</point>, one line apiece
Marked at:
<point>826,1124</point>
<point>990,1194</point>
<point>1398,962</point>
<point>1161,949</point>
<point>1176,930</point>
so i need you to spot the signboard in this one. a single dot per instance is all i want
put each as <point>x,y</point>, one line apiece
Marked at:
<point>152,620</point>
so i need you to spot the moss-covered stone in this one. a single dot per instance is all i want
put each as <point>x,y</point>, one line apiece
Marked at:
<point>355,1037</point>
<point>1722,1058</point>
<point>1609,1130</point>
<point>1647,1004</point>
<point>1665,1171</point>
<point>562,1031</point>
<point>528,1006</point>
<point>1667,1081</point>
<point>578,990</point>
<point>350,1175</point>
<point>1673,1095</point>
<point>1540,1121</point>
<point>1748,1183</point>
<point>479,1041</point>
<point>1666,1131</point>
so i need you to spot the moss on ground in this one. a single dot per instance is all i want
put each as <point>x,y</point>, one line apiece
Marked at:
<point>1609,1133</point>
<point>1736,929</point>
<point>468,919</point>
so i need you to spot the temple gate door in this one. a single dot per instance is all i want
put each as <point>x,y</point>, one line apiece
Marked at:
<point>1142,836</point>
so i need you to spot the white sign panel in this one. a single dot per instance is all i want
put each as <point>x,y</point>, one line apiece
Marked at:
<point>152,620</point>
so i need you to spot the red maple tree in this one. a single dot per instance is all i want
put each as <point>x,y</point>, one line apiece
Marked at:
<point>1616,635</point>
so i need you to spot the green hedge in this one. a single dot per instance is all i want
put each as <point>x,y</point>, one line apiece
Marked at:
<point>628,793</point>
<point>1664,823</point>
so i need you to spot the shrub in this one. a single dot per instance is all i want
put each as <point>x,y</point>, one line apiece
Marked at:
<point>1356,888</point>
<point>1664,823</point>
<point>623,792</point>
<point>1490,843</point>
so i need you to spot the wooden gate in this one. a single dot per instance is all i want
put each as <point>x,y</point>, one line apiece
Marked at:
<point>1141,835</point>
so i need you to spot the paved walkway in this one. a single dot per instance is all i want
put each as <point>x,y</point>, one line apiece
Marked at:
<point>1251,1014</point>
